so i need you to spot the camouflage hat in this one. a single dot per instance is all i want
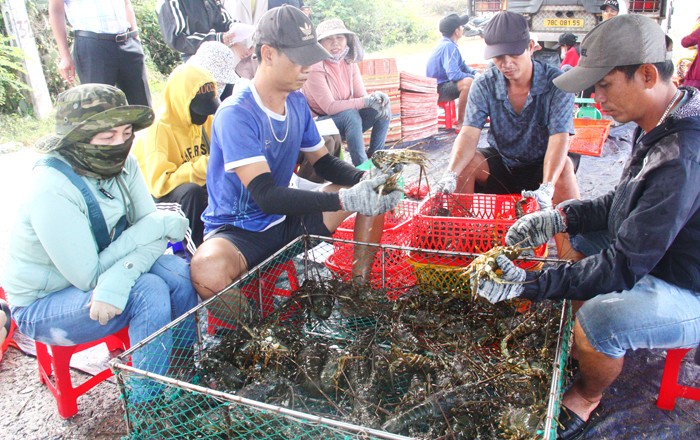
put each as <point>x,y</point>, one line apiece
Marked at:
<point>88,109</point>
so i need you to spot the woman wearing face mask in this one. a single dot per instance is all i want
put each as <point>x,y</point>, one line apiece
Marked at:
<point>334,89</point>
<point>86,255</point>
<point>174,152</point>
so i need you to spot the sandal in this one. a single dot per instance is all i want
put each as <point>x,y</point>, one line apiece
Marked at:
<point>572,427</point>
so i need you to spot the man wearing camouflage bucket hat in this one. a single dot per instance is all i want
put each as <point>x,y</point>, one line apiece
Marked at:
<point>640,244</point>
<point>86,256</point>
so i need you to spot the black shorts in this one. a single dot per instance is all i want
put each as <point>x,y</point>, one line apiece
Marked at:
<point>256,247</point>
<point>506,180</point>
<point>448,91</point>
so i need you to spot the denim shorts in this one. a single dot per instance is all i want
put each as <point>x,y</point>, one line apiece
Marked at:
<point>652,314</point>
<point>256,247</point>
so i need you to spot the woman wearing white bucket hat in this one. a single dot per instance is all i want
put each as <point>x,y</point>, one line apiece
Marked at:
<point>334,89</point>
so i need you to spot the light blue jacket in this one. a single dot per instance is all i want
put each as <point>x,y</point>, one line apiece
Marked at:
<point>52,245</point>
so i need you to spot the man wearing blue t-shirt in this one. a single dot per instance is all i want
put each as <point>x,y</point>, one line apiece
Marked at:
<point>446,64</point>
<point>531,121</point>
<point>257,135</point>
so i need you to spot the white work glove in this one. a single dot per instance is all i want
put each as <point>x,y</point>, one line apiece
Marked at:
<point>510,287</point>
<point>103,312</point>
<point>543,195</point>
<point>364,199</point>
<point>536,229</point>
<point>447,183</point>
<point>379,101</point>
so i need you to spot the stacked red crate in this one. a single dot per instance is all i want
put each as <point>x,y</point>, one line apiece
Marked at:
<point>418,106</point>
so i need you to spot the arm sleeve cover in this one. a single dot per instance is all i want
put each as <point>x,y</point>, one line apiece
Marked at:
<point>273,199</point>
<point>335,170</point>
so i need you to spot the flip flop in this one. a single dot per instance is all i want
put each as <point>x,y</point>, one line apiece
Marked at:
<point>572,427</point>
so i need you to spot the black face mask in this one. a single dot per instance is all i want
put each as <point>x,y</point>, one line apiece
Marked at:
<point>198,119</point>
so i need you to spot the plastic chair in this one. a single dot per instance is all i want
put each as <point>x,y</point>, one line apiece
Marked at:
<point>449,116</point>
<point>263,291</point>
<point>8,342</point>
<point>670,388</point>
<point>56,363</point>
<point>585,111</point>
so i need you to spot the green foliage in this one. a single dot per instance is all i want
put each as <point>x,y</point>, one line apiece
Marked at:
<point>378,24</point>
<point>164,58</point>
<point>11,84</point>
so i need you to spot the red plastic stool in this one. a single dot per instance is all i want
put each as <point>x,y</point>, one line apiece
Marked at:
<point>8,342</point>
<point>57,364</point>
<point>670,388</point>
<point>262,292</point>
<point>449,118</point>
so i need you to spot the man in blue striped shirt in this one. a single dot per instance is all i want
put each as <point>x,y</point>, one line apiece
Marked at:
<point>531,121</point>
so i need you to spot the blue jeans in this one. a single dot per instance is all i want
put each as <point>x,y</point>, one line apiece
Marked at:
<point>352,123</point>
<point>159,296</point>
<point>652,314</point>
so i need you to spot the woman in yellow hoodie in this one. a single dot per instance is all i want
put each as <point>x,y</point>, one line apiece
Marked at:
<point>173,153</point>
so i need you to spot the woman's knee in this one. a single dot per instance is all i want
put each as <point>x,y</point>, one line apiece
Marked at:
<point>150,292</point>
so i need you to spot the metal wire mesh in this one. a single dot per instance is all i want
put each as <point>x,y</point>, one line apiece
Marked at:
<point>293,351</point>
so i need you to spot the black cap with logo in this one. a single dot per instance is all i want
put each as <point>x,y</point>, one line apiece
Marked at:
<point>288,29</point>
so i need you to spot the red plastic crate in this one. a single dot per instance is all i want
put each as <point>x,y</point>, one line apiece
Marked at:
<point>466,223</point>
<point>398,273</point>
<point>397,228</point>
<point>590,136</point>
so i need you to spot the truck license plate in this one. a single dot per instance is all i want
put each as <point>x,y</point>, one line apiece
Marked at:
<point>563,22</point>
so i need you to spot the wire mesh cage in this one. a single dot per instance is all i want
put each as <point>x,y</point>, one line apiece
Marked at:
<point>292,350</point>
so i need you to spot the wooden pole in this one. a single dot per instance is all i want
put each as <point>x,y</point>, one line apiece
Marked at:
<point>17,24</point>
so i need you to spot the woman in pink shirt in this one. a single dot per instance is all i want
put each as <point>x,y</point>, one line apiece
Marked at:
<point>334,89</point>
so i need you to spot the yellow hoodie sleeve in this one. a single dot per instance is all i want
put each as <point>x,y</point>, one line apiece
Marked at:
<point>168,161</point>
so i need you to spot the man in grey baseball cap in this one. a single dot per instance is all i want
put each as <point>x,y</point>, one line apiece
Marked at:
<point>639,245</point>
<point>531,121</point>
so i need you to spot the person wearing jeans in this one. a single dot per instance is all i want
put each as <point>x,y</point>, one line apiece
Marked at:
<point>334,89</point>
<point>86,256</point>
<point>353,123</point>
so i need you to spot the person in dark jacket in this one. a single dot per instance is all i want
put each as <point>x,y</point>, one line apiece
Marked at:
<point>185,25</point>
<point>640,271</point>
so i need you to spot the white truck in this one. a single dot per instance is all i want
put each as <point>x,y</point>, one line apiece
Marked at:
<point>551,18</point>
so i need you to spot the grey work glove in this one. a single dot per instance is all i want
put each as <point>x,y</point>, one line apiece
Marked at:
<point>364,199</point>
<point>103,312</point>
<point>379,101</point>
<point>510,287</point>
<point>543,195</point>
<point>536,229</point>
<point>447,183</point>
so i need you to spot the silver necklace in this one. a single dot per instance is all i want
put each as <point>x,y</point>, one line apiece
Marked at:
<point>286,131</point>
<point>666,112</point>
<point>670,106</point>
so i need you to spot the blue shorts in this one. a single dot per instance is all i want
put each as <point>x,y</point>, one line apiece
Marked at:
<point>256,247</point>
<point>652,314</point>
